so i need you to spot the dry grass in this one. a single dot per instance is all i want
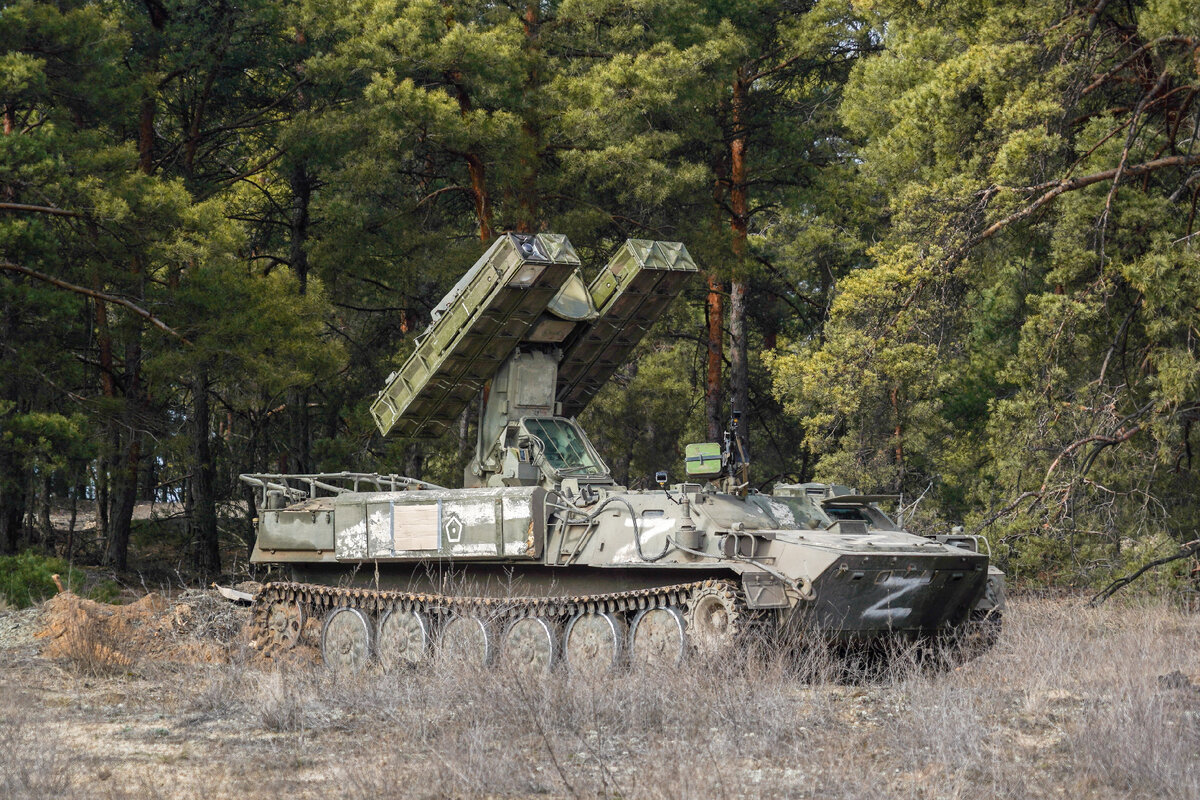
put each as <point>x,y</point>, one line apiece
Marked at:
<point>32,765</point>
<point>1069,703</point>
<point>89,648</point>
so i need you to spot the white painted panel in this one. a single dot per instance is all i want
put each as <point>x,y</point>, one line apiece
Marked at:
<point>416,527</point>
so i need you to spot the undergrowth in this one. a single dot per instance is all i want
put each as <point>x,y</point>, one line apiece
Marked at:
<point>26,578</point>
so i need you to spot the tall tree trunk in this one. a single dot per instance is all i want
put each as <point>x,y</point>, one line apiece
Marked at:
<point>71,524</point>
<point>29,532</point>
<point>714,309</point>
<point>251,518</point>
<point>103,341</point>
<point>465,443</point>
<point>414,461</point>
<point>46,526</point>
<point>125,474</point>
<point>194,127</point>
<point>12,502</point>
<point>146,135</point>
<point>712,378</point>
<point>483,206</point>
<point>147,480</point>
<point>102,500</point>
<point>129,455</point>
<point>12,483</point>
<point>124,498</point>
<point>475,167</point>
<point>204,505</point>
<point>738,370</point>
<point>299,418</point>
<point>300,183</point>
<point>108,388</point>
<point>253,463</point>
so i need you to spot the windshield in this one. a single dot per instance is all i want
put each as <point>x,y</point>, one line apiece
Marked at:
<point>564,447</point>
<point>847,513</point>
<point>869,514</point>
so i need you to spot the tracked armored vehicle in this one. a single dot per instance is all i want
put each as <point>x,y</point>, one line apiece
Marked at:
<point>542,557</point>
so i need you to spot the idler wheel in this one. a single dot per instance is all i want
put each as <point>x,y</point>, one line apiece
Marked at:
<point>285,623</point>
<point>346,640</point>
<point>594,642</point>
<point>468,639</point>
<point>712,618</point>
<point>658,638</point>
<point>402,639</point>
<point>530,645</point>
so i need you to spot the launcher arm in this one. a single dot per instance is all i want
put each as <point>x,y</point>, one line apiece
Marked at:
<point>522,320</point>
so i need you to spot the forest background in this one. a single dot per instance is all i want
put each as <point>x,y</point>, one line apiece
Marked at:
<point>948,247</point>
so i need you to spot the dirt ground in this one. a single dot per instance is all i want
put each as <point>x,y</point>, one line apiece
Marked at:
<point>163,698</point>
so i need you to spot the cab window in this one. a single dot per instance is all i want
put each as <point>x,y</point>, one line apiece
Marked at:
<point>564,448</point>
<point>847,513</point>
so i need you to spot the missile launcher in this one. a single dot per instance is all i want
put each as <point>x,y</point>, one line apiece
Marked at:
<point>541,558</point>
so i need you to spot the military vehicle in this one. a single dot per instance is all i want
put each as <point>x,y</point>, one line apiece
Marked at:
<point>541,557</point>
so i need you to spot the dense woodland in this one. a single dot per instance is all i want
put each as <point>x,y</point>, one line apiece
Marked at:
<point>949,248</point>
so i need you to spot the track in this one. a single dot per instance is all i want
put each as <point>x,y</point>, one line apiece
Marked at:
<point>392,626</point>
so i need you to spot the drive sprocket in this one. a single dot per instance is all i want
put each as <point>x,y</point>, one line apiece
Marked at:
<point>714,616</point>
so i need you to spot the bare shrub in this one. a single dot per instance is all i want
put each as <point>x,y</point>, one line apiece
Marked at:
<point>205,615</point>
<point>33,763</point>
<point>219,691</point>
<point>1143,741</point>
<point>88,647</point>
<point>281,700</point>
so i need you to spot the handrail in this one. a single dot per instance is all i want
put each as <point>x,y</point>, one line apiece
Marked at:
<point>312,483</point>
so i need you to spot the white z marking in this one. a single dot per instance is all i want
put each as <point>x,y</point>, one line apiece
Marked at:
<point>900,585</point>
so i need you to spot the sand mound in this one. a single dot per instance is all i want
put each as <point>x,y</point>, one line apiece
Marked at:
<point>196,626</point>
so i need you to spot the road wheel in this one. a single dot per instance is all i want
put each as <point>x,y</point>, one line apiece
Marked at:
<point>658,637</point>
<point>346,640</point>
<point>530,645</point>
<point>402,639</point>
<point>594,642</point>
<point>468,639</point>
<point>285,623</point>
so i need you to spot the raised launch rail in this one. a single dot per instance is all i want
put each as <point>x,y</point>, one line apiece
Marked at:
<point>504,302</point>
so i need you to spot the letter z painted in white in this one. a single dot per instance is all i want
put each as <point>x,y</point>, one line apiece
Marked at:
<point>885,608</point>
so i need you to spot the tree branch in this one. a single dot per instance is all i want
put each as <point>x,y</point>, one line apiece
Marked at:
<point>1103,441</point>
<point>1070,185</point>
<point>443,190</point>
<point>71,287</point>
<point>1192,548</point>
<point>1100,81</point>
<point>58,212</point>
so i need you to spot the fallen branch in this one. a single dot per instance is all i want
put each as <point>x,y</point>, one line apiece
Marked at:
<point>1185,551</point>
